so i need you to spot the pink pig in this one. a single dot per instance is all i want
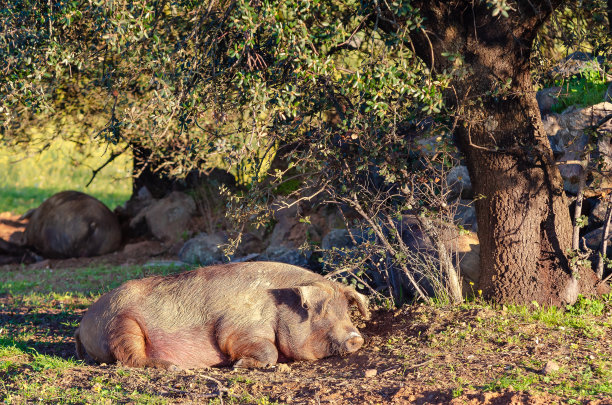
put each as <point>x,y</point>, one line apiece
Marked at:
<point>246,314</point>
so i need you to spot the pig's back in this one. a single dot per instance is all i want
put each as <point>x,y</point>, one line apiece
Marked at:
<point>234,292</point>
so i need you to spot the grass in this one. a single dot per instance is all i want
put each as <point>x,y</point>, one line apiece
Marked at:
<point>34,343</point>
<point>582,91</point>
<point>29,176</point>
<point>71,281</point>
<point>474,347</point>
<point>576,337</point>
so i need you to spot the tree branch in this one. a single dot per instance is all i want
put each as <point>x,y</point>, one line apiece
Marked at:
<point>112,157</point>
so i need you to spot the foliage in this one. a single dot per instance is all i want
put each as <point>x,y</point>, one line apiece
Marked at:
<point>577,26</point>
<point>329,94</point>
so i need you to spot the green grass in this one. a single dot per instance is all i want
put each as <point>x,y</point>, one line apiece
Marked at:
<point>583,91</point>
<point>29,176</point>
<point>40,309</point>
<point>74,281</point>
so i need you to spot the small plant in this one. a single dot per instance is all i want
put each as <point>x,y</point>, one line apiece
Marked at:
<point>584,90</point>
<point>584,306</point>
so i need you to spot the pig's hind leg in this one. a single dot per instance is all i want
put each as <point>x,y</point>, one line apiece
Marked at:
<point>249,351</point>
<point>128,341</point>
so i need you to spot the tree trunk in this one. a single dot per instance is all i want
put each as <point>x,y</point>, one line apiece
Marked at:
<point>524,223</point>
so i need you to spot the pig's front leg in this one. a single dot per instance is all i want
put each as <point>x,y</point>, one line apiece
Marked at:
<point>250,351</point>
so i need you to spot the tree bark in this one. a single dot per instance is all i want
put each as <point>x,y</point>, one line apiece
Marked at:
<point>524,223</point>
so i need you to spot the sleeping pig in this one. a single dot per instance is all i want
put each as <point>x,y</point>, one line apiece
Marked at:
<point>72,224</point>
<point>247,314</point>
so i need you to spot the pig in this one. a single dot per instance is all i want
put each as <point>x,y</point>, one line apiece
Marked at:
<point>251,314</point>
<point>72,224</point>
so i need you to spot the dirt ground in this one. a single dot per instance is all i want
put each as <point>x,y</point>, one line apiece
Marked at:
<point>420,354</point>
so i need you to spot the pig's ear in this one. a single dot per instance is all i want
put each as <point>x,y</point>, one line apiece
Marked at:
<point>311,294</point>
<point>360,300</point>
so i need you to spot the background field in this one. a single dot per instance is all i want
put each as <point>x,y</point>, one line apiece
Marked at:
<point>28,177</point>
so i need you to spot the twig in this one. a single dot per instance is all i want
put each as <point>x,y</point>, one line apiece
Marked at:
<point>604,239</point>
<point>388,246</point>
<point>579,200</point>
<point>417,365</point>
<point>601,122</point>
<point>112,157</point>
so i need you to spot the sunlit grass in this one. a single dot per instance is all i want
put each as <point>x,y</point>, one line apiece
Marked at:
<point>58,282</point>
<point>30,175</point>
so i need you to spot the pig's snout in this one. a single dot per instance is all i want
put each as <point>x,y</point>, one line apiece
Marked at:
<point>353,342</point>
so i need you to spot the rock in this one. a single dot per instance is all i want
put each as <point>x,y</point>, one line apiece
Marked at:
<point>369,373</point>
<point>144,248</point>
<point>429,145</point>
<point>566,132</point>
<point>458,179</point>
<point>593,240</point>
<point>287,255</point>
<point>248,258</point>
<point>338,243</point>
<point>576,63</point>
<point>127,212</point>
<point>465,215</point>
<point>288,231</point>
<point>598,214</point>
<point>571,177</point>
<point>338,238</point>
<point>283,368</point>
<point>550,367</point>
<point>547,98</point>
<point>204,249</point>
<point>343,238</point>
<point>608,95</point>
<point>167,218</point>
<point>551,125</point>
<point>249,244</point>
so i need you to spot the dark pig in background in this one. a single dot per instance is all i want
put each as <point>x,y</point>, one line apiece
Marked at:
<point>72,224</point>
<point>247,314</point>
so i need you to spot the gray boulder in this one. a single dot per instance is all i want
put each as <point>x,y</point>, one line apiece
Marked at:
<point>284,254</point>
<point>593,240</point>
<point>576,63</point>
<point>547,98</point>
<point>288,230</point>
<point>204,249</point>
<point>458,180</point>
<point>343,238</point>
<point>567,133</point>
<point>167,218</point>
<point>465,215</point>
<point>598,213</point>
